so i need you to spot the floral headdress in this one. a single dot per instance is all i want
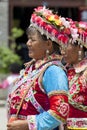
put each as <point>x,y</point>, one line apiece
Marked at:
<point>82,31</point>
<point>55,27</point>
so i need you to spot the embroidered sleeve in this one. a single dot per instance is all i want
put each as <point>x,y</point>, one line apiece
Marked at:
<point>59,107</point>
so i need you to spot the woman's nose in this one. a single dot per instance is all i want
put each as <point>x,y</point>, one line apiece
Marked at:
<point>62,52</point>
<point>29,42</point>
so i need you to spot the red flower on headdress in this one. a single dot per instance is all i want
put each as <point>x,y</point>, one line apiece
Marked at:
<point>49,28</point>
<point>67,31</point>
<point>38,20</point>
<point>64,39</point>
<point>42,24</point>
<point>55,32</point>
<point>84,37</point>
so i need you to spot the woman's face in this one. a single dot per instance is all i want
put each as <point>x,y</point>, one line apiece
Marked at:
<point>36,45</point>
<point>70,54</point>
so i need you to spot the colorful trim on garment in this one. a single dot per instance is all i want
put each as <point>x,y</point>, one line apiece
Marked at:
<point>19,116</point>
<point>77,123</point>
<point>54,62</point>
<point>59,99</point>
<point>29,73</point>
<point>60,92</point>
<point>34,101</point>
<point>52,113</point>
<point>77,129</point>
<point>32,122</point>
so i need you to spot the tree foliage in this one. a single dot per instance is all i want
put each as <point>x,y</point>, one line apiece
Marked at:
<point>7,57</point>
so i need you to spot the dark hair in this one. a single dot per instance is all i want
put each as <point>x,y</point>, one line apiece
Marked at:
<point>32,29</point>
<point>76,44</point>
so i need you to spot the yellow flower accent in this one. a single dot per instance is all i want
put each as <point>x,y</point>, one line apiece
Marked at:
<point>54,19</point>
<point>51,18</point>
<point>58,22</point>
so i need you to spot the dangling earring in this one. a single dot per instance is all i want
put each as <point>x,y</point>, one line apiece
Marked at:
<point>47,53</point>
<point>79,55</point>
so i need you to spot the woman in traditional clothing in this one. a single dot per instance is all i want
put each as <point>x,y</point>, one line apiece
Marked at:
<point>75,54</point>
<point>39,99</point>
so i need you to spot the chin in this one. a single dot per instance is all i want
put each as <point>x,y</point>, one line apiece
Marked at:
<point>30,55</point>
<point>67,61</point>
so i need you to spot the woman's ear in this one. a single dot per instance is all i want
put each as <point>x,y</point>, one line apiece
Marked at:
<point>49,44</point>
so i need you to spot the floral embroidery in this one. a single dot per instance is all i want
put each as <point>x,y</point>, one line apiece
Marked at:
<point>78,86</point>
<point>59,99</point>
<point>24,106</point>
<point>73,123</point>
<point>32,122</point>
<point>64,109</point>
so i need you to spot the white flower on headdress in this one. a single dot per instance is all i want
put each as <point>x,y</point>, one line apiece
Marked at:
<point>46,11</point>
<point>74,34</point>
<point>65,22</point>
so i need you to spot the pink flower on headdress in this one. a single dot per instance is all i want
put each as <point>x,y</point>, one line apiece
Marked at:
<point>47,12</point>
<point>74,24</point>
<point>38,20</point>
<point>33,17</point>
<point>43,10</point>
<point>38,9</point>
<point>69,19</point>
<point>82,24</point>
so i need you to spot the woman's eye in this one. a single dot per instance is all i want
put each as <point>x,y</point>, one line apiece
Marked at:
<point>30,40</point>
<point>33,40</point>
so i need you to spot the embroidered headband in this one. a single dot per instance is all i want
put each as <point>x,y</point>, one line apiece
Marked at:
<point>57,28</point>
